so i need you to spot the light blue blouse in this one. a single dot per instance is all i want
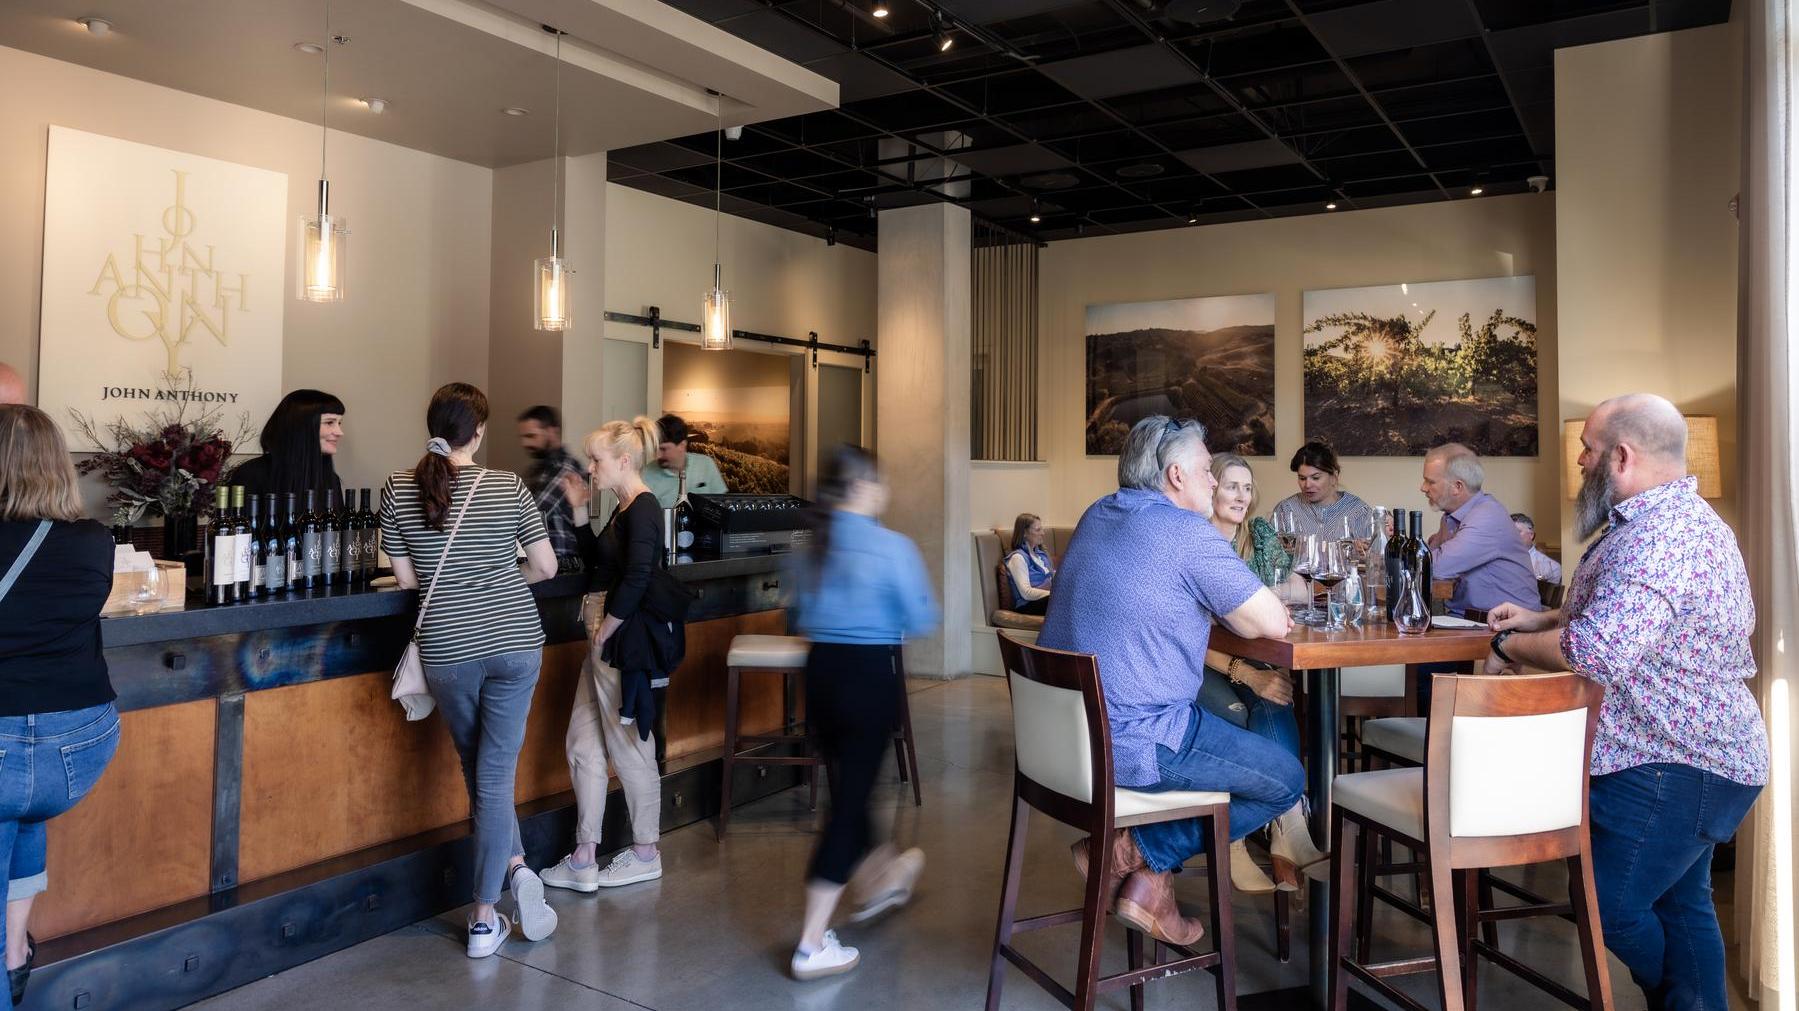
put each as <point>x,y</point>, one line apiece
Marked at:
<point>873,590</point>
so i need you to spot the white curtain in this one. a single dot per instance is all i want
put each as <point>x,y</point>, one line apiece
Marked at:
<point>1766,382</point>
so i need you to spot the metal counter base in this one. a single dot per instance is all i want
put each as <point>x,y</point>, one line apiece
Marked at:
<point>174,956</point>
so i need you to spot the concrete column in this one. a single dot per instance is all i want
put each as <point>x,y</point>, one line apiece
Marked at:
<point>584,244</point>
<point>922,410</point>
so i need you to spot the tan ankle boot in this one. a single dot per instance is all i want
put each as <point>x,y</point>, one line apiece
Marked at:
<point>1247,877</point>
<point>1290,843</point>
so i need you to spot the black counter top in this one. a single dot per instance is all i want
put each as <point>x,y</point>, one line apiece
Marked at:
<point>319,607</point>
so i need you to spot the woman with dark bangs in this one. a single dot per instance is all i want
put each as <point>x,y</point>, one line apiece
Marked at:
<point>299,444</point>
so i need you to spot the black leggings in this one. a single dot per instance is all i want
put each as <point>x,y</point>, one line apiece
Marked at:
<point>852,707</point>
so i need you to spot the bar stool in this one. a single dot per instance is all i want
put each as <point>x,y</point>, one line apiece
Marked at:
<point>1504,783</point>
<point>784,655</point>
<point>1063,745</point>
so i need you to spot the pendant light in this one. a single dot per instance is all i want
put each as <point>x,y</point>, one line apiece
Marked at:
<point>715,315</point>
<point>319,264</point>
<point>552,302</point>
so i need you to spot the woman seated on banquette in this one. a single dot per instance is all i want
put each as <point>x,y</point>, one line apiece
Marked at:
<point>1028,566</point>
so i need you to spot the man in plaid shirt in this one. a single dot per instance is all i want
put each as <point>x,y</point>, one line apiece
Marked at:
<point>540,432</point>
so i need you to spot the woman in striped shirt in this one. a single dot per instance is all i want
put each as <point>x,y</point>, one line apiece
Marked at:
<point>481,641</point>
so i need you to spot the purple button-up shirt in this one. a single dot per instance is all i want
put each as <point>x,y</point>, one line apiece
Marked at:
<point>1660,614</point>
<point>1482,553</point>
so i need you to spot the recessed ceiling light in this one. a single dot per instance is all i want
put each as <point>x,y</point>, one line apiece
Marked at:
<point>1036,218</point>
<point>309,48</point>
<point>880,10</point>
<point>1331,206</point>
<point>95,26</point>
<point>376,105</point>
<point>513,110</point>
<point>1192,219</point>
<point>1476,191</point>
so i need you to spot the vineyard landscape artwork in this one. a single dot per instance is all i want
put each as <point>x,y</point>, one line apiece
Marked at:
<point>1205,358</point>
<point>1396,369</point>
<point>737,406</point>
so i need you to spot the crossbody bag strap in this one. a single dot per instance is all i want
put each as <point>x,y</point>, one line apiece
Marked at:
<point>455,525</point>
<point>19,563</point>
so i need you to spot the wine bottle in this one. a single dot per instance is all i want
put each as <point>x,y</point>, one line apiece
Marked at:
<point>271,556</point>
<point>259,551</point>
<point>312,544</point>
<point>683,522</point>
<point>1419,557</point>
<point>290,546</point>
<point>1396,554</point>
<point>222,588</point>
<point>371,538</point>
<point>240,526</point>
<point>332,530</point>
<point>352,538</point>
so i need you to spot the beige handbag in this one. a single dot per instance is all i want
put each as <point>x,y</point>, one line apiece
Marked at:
<point>410,689</point>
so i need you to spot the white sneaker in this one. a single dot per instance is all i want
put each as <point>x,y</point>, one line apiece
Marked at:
<point>485,938</point>
<point>829,960</point>
<point>536,920</point>
<point>627,868</point>
<point>576,879</point>
<point>902,877</point>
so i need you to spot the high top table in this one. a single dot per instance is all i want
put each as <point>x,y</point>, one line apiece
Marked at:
<point>1321,656</point>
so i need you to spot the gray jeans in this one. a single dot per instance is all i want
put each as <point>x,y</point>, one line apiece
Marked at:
<point>484,703</point>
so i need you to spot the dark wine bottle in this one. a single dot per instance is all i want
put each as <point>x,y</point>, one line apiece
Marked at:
<point>332,530</point>
<point>240,525</point>
<point>222,576</point>
<point>371,538</point>
<point>312,544</point>
<point>1419,555</point>
<point>352,537</point>
<point>259,552</point>
<point>1395,560</point>
<point>290,546</point>
<point>684,531</point>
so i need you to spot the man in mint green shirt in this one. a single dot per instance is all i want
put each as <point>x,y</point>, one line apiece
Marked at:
<point>664,476</point>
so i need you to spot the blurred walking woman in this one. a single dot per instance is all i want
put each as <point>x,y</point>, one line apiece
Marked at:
<point>481,642</point>
<point>861,590</point>
<point>58,728</point>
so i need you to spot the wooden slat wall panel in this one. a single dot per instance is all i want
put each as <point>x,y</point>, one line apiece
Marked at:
<point>141,839</point>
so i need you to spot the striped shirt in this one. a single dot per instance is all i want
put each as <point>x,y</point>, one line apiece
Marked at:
<point>483,608</point>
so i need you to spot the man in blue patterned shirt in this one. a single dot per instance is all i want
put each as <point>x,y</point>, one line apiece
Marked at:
<point>1144,578</point>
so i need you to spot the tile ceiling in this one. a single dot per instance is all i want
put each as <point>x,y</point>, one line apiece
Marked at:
<point>1103,116</point>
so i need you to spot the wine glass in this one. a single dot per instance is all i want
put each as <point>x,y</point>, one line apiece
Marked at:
<point>1305,562</point>
<point>1286,527</point>
<point>1330,569</point>
<point>146,590</point>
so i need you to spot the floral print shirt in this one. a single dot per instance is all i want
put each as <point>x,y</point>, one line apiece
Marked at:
<point>1660,614</point>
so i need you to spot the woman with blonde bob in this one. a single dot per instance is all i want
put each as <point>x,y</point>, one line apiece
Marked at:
<point>57,722</point>
<point>617,698</point>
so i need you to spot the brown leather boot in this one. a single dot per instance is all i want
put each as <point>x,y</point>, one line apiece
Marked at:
<point>1146,902</point>
<point>1125,859</point>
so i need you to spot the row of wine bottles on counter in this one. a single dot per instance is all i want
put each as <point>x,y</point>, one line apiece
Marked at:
<point>1408,551</point>
<point>257,548</point>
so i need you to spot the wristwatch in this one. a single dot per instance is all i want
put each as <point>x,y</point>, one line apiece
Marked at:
<point>1499,645</point>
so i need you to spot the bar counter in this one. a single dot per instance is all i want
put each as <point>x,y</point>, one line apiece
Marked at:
<point>269,804</point>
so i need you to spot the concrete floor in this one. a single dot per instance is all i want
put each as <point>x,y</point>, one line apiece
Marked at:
<point>716,932</point>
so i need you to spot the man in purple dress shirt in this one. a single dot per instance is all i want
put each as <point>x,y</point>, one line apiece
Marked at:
<point>1476,546</point>
<point>1660,614</point>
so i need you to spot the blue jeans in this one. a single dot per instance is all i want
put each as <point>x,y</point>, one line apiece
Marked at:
<point>1263,779</point>
<point>1220,697</point>
<point>1654,828</point>
<point>485,703</point>
<point>48,761</point>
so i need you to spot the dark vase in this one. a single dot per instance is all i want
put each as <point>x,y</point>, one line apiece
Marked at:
<point>180,536</point>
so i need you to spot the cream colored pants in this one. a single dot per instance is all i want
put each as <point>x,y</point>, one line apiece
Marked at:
<point>595,736</point>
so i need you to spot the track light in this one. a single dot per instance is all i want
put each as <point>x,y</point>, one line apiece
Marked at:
<point>1476,191</point>
<point>1036,214</point>
<point>944,38</point>
<point>1331,206</point>
<point>880,9</point>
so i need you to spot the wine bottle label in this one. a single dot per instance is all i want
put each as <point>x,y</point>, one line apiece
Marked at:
<point>224,560</point>
<point>246,558</point>
<point>684,539</point>
<point>313,549</point>
<point>352,550</point>
<point>333,551</point>
<point>258,573</point>
<point>371,549</point>
<point>274,572</point>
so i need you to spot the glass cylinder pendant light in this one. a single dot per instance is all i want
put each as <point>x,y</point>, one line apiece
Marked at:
<point>715,313</point>
<point>551,305</point>
<point>322,237</point>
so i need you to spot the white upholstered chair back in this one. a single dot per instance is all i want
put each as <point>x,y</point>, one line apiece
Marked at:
<point>1051,736</point>
<point>1517,750</point>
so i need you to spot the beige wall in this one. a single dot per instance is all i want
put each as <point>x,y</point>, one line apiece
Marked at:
<point>1647,152</point>
<point>416,314</point>
<point>1431,242</point>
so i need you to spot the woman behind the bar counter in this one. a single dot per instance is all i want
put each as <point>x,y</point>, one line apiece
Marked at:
<point>299,448</point>
<point>860,590</point>
<point>58,727</point>
<point>481,642</point>
<point>624,636</point>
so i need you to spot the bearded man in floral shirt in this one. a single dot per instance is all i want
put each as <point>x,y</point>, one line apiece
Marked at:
<point>1660,614</point>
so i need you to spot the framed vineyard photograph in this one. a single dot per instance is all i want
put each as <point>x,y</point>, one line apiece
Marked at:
<point>1395,369</point>
<point>1205,358</point>
<point>738,407</point>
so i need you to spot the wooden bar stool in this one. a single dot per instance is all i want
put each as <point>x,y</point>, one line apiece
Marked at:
<point>764,654</point>
<point>905,752</point>
<point>1064,769</point>
<point>1504,783</point>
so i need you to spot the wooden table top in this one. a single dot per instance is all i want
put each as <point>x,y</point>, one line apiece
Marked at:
<point>1307,648</point>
